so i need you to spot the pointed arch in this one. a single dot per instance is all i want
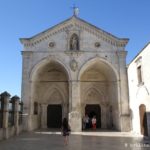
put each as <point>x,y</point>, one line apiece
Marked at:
<point>89,89</point>
<point>93,94</point>
<point>109,71</point>
<point>55,96</point>
<point>45,61</point>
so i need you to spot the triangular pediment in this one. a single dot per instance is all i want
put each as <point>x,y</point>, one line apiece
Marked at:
<point>75,22</point>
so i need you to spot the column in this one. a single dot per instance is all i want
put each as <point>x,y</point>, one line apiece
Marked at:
<point>124,94</point>
<point>15,100</point>
<point>65,110</point>
<point>103,117</point>
<point>44,116</point>
<point>70,96</point>
<point>5,98</point>
<point>75,113</point>
<point>26,90</point>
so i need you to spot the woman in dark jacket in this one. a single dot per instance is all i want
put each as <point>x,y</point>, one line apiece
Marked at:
<point>65,130</point>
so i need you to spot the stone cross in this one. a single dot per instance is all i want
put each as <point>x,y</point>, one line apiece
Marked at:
<point>75,11</point>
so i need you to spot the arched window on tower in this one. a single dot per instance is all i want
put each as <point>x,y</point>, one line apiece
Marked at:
<point>74,42</point>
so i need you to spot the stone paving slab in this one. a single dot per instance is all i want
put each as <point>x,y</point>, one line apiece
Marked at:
<point>46,140</point>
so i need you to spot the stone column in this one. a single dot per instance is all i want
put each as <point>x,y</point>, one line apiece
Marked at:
<point>124,94</point>
<point>70,96</point>
<point>65,110</point>
<point>15,101</point>
<point>5,98</point>
<point>26,89</point>
<point>44,116</point>
<point>75,113</point>
<point>103,116</point>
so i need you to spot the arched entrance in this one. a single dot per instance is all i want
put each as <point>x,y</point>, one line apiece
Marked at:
<point>99,92</point>
<point>54,116</point>
<point>94,110</point>
<point>50,90</point>
<point>143,120</point>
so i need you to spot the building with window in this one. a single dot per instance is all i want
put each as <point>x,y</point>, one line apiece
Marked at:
<point>73,69</point>
<point>139,89</point>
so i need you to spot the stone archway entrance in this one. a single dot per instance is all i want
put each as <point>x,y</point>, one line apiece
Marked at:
<point>143,120</point>
<point>54,116</point>
<point>99,92</point>
<point>50,89</point>
<point>94,110</point>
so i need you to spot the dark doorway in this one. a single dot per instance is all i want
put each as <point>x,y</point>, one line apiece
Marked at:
<point>143,120</point>
<point>94,110</point>
<point>54,116</point>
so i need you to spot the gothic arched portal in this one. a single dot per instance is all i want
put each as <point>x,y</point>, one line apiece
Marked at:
<point>51,90</point>
<point>99,90</point>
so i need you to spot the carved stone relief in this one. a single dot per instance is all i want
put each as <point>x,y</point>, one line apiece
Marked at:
<point>73,65</point>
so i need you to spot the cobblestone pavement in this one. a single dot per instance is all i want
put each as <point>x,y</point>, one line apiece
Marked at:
<point>46,140</point>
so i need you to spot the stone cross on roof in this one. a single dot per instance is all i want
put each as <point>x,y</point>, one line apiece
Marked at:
<point>75,11</point>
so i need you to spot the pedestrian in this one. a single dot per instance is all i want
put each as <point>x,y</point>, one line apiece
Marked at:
<point>65,130</point>
<point>86,121</point>
<point>94,122</point>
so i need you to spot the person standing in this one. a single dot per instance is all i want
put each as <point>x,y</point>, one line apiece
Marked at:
<point>86,121</point>
<point>65,130</point>
<point>94,122</point>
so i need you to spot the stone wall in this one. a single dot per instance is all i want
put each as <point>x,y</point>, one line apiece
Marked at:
<point>139,90</point>
<point>11,112</point>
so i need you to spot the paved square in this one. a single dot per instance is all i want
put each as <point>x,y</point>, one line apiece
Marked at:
<point>46,140</point>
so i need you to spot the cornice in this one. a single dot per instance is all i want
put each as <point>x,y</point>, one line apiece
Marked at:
<point>74,22</point>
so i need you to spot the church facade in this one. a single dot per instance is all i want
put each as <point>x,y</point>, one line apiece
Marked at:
<point>73,69</point>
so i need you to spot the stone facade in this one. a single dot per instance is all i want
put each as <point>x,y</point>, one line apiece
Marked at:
<point>75,64</point>
<point>139,87</point>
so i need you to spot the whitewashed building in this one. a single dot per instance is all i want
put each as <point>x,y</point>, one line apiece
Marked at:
<point>71,69</point>
<point>139,89</point>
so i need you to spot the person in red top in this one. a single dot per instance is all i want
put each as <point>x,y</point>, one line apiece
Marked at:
<point>94,122</point>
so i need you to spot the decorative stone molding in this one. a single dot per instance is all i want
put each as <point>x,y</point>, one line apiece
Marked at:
<point>74,53</point>
<point>75,114</point>
<point>122,54</point>
<point>67,25</point>
<point>73,65</point>
<point>27,54</point>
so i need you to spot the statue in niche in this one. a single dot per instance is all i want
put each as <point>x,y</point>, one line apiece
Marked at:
<point>74,42</point>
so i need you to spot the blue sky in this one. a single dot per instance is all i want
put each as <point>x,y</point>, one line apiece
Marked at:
<point>25,18</point>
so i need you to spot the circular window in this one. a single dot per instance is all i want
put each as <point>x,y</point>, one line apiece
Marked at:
<point>97,44</point>
<point>51,44</point>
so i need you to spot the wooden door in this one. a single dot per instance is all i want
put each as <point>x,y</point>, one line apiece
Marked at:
<point>143,120</point>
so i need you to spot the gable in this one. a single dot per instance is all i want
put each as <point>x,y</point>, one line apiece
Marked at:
<point>74,23</point>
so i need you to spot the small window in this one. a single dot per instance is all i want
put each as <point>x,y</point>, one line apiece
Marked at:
<point>139,74</point>
<point>35,108</point>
